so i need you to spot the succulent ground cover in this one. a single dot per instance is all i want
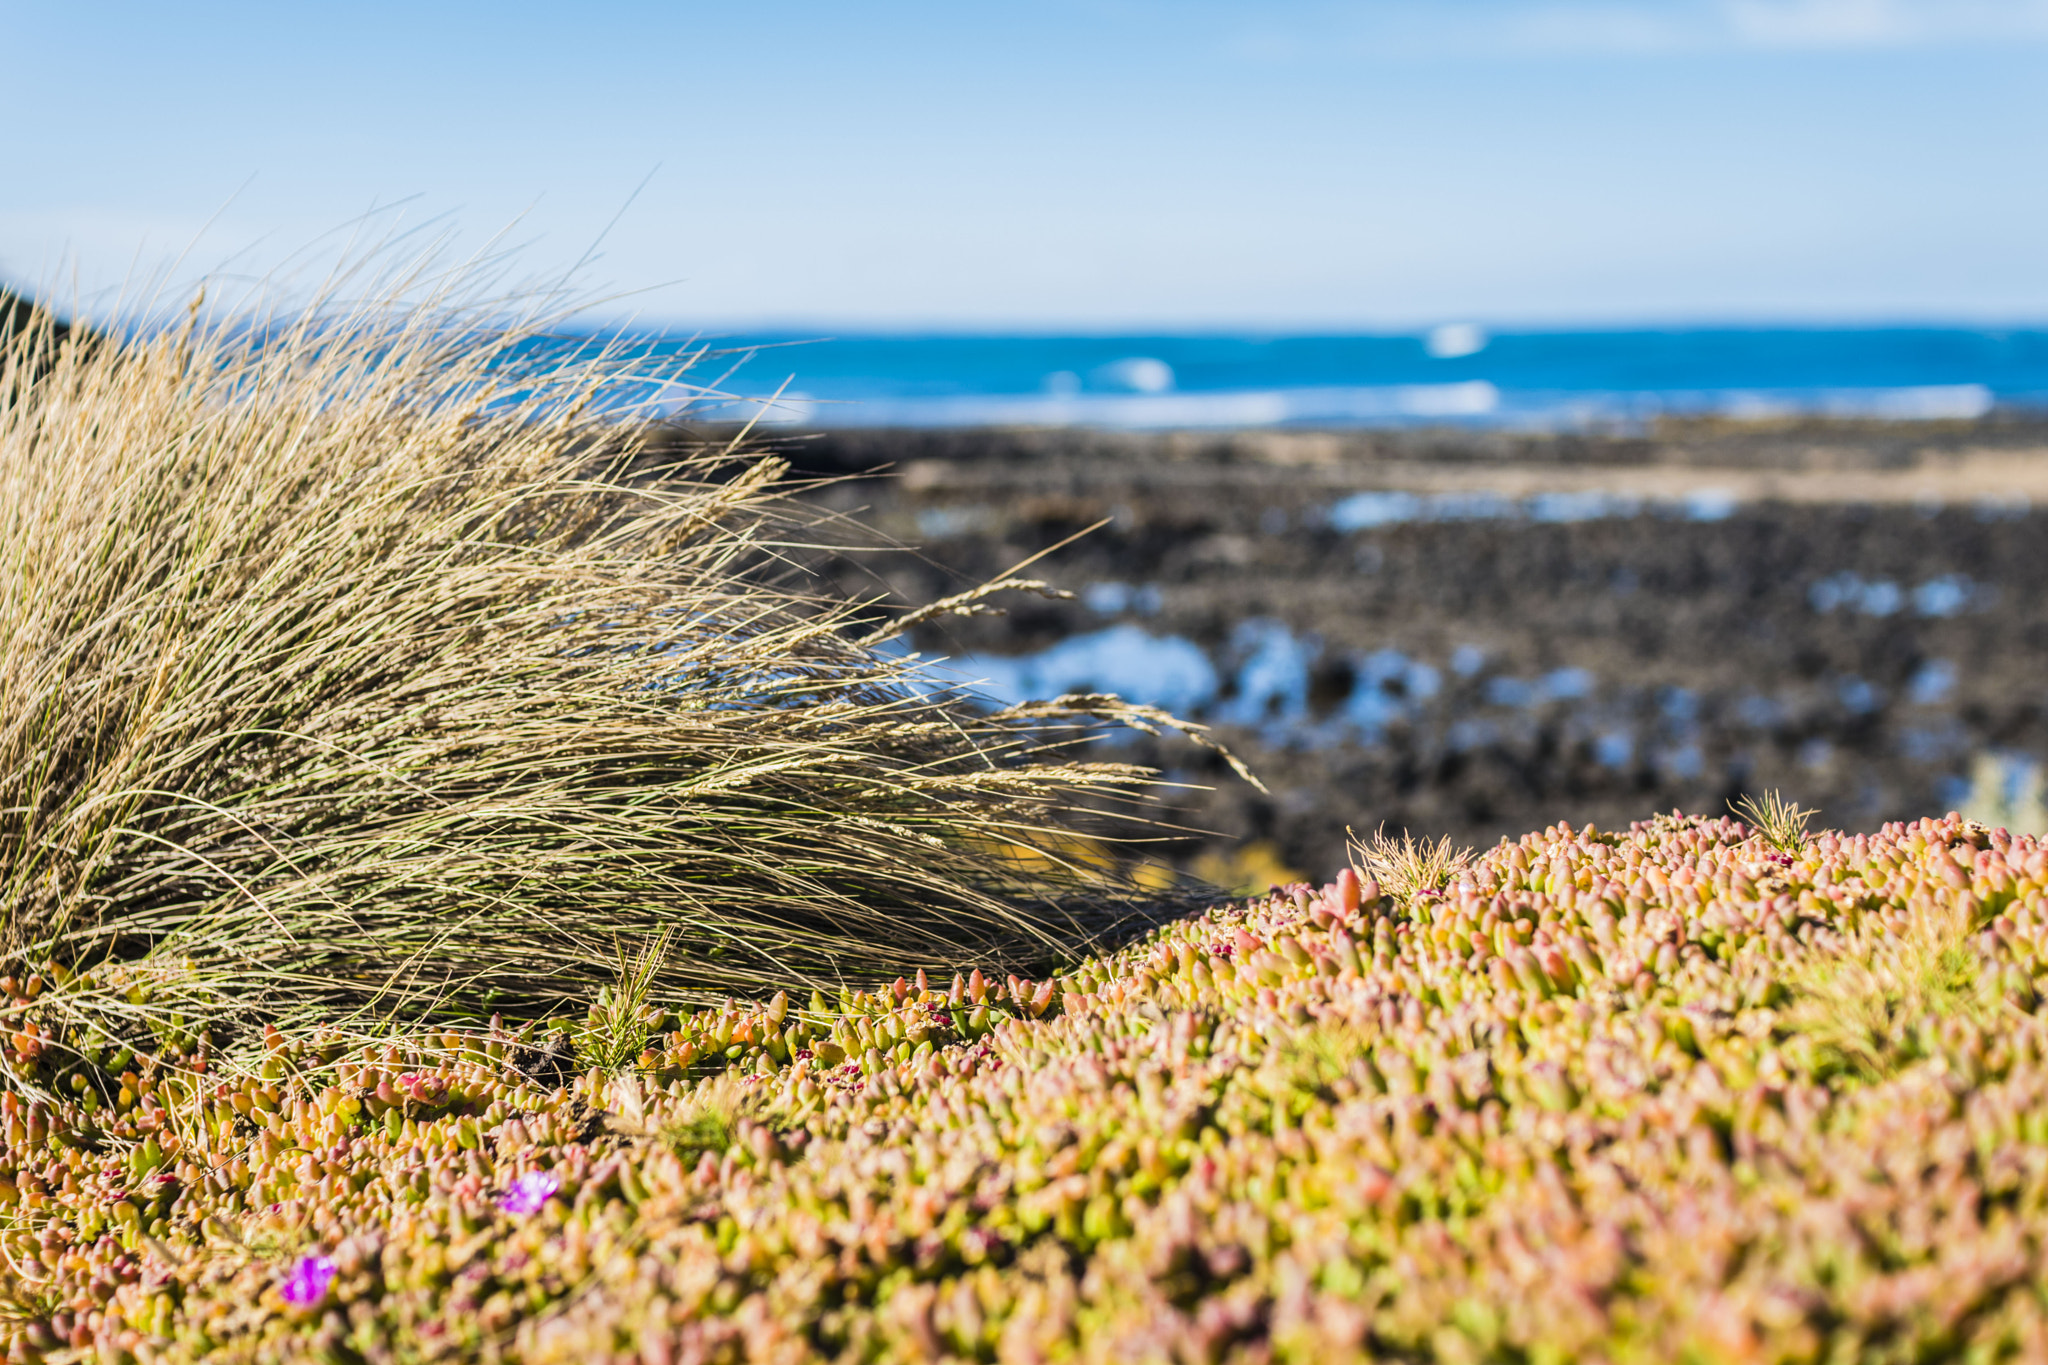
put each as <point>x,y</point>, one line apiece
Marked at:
<point>1694,1091</point>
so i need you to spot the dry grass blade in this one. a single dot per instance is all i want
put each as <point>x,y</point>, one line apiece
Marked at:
<point>1408,867</point>
<point>363,655</point>
<point>1778,822</point>
<point>973,602</point>
<point>1107,706</point>
<point>622,1018</point>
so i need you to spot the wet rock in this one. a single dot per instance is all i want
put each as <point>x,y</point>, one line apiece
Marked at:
<point>1450,659</point>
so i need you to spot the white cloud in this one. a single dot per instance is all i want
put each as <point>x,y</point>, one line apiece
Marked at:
<point>1822,23</point>
<point>1881,23</point>
<point>1595,29</point>
<point>1429,28</point>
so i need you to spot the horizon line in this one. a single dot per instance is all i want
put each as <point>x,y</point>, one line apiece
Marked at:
<point>818,331</point>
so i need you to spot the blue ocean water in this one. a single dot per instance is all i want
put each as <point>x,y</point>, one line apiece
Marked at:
<point>1452,374</point>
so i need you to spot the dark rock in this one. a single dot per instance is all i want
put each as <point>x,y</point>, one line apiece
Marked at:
<point>1854,648</point>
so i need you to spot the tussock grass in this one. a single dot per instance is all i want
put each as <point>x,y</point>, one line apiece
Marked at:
<point>622,1018</point>
<point>1778,822</point>
<point>363,656</point>
<point>1408,867</point>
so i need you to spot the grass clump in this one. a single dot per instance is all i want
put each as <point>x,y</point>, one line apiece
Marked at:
<point>367,658</point>
<point>622,1019</point>
<point>1778,822</point>
<point>1407,867</point>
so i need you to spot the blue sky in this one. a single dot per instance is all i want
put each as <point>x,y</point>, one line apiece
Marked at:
<point>1087,164</point>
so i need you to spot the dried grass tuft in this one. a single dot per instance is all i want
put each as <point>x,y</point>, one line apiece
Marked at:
<point>1408,867</point>
<point>1778,822</point>
<point>364,655</point>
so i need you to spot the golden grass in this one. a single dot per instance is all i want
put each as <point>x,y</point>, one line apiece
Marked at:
<point>362,656</point>
<point>1778,822</point>
<point>1408,867</point>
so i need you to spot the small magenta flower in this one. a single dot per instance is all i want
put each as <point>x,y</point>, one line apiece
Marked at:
<point>531,1192</point>
<point>308,1282</point>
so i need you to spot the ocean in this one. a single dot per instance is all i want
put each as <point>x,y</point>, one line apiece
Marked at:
<point>1459,374</point>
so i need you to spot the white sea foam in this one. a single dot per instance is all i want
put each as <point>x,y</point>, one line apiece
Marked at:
<point>788,409</point>
<point>1455,339</point>
<point>1138,373</point>
<point>1141,393</point>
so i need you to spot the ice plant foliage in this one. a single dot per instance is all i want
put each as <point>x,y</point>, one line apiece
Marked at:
<point>1675,1093</point>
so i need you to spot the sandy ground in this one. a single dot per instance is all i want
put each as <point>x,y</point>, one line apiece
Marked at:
<point>1942,478</point>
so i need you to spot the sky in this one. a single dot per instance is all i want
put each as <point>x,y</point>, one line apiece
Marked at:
<point>1089,165</point>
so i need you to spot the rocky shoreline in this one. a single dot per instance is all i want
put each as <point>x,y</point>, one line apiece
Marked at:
<point>1472,633</point>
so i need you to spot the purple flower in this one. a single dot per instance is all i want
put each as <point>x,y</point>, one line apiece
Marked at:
<point>308,1282</point>
<point>530,1192</point>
